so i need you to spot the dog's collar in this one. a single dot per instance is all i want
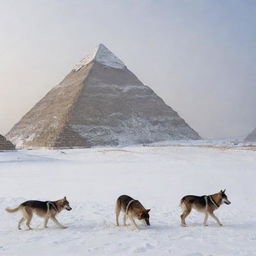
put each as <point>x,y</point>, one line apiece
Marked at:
<point>128,205</point>
<point>214,203</point>
<point>53,205</point>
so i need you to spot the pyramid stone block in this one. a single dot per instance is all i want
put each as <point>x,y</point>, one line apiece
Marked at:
<point>5,144</point>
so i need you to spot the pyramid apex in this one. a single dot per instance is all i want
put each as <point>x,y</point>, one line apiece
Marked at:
<point>101,45</point>
<point>102,55</point>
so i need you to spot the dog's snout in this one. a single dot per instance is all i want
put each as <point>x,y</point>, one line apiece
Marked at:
<point>227,202</point>
<point>148,223</point>
<point>68,208</point>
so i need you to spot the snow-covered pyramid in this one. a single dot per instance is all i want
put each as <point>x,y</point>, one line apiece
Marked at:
<point>251,137</point>
<point>5,144</point>
<point>100,102</point>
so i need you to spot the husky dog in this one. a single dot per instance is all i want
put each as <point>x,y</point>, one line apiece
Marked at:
<point>131,208</point>
<point>206,204</point>
<point>47,210</point>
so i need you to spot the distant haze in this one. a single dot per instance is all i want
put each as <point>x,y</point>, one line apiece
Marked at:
<point>199,56</point>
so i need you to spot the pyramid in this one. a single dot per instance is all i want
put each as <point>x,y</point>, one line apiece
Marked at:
<point>251,137</point>
<point>5,144</point>
<point>99,103</point>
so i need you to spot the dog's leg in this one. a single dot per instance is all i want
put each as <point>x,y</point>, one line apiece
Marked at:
<point>124,219</point>
<point>183,216</point>
<point>134,223</point>
<point>21,220</point>
<point>205,219</point>
<point>46,222</point>
<point>27,214</point>
<point>28,222</point>
<point>117,216</point>
<point>57,223</point>
<point>215,217</point>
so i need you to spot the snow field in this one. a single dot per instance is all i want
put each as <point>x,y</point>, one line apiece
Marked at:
<point>158,177</point>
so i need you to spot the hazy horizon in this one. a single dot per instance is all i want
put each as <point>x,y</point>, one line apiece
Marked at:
<point>198,56</point>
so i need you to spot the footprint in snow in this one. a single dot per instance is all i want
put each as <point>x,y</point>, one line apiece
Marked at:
<point>144,248</point>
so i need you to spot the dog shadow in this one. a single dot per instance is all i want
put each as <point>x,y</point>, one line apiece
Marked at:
<point>158,227</point>
<point>154,227</point>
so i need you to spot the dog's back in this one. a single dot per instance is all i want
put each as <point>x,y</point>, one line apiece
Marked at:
<point>192,201</point>
<point>122,202</point>
<point>31,204</point>
<point>34,204</point>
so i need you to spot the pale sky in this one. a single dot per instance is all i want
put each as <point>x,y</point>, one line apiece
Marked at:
<point>198,55</point>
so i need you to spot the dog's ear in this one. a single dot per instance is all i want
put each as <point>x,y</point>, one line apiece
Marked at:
<point>221,192</point>
<point>65,198</point>
<point>224,191</point>
<point>148,210</point>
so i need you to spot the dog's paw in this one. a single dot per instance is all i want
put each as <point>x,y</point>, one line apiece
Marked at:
<point>221,225</point>
<point>64,227</point>
<point>183,225</point>
<point>206,225</point>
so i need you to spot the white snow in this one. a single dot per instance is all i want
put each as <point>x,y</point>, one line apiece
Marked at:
<point>158,176</point>
<point>102,55</point>
<point>115,88</point>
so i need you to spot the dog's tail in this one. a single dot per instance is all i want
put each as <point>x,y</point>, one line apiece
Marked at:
<point>182,205</point>
<point>118,205</point>
<point>13,210</point>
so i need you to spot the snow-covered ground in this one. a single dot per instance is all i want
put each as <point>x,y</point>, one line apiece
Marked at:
<point>158,176</point>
